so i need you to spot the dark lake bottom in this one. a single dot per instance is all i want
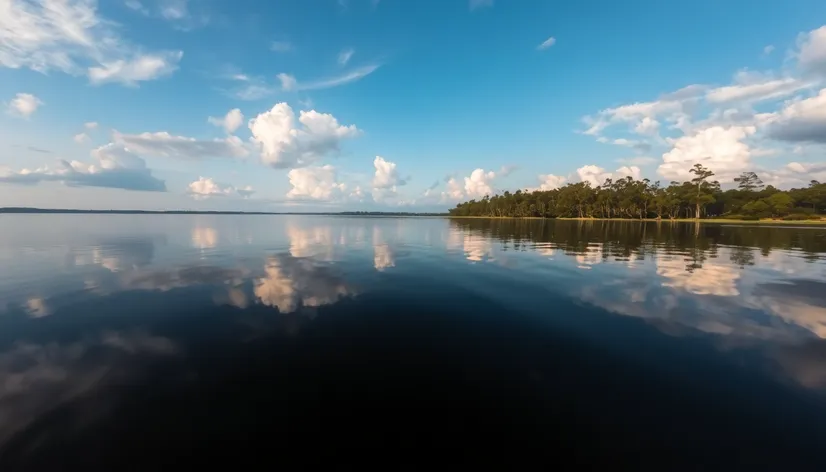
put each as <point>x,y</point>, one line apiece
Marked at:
<point>158,343</point>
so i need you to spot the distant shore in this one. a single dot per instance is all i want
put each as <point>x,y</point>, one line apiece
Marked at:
<point>821,222</point>
<point>37,211</point>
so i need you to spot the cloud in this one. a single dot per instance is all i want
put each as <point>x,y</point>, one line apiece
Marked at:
<point>626,171</point>
<point>592,174</point>
<point>768,50</point>
<point>720,149</point>
<point>81,138</point>
<point>754,87</point>
<point>454,190</point>
<point>69,36</point>
<point>474,4</point>
<point>114,167</point>
<point>647,126</point>
<point>507,170</point>
<point>206,187</point>
<point>596,175</point>
<point>176,12</point>
<point>801,121</point>
<point>285,143</point>
<point>90,125</point>
<point>290,84</point>
<point>386,174</point>
<point>24,105</point>
<point>639,161</point>
<point>546,44</point>
<point>136,5</point>
<point>245,191</point>
<point>253,91</point>
<point>174,9</point>
<point>344,56</point>
<point>795,174</point>
<point>315,183</point>
<point>641,146</point>
<point>549,182</point>
<point>291,283</point>
<point>637,113</point>
<point>230,122</point>
<point>281,46</point>
<point>811,54</point>
<point>141,68</point>
<point>38,377</point>
<point>479,183</point>
<point>714,279</point>
<point>164,144</point>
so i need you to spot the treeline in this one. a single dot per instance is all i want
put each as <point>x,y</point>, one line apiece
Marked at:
<point>700,197</point>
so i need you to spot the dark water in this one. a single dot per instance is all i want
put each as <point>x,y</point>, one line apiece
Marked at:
<point>175,342</point>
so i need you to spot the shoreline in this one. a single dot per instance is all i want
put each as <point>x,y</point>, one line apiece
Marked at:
<point>821,222</point>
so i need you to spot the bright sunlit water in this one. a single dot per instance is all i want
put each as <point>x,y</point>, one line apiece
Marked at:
<point>147,341</point>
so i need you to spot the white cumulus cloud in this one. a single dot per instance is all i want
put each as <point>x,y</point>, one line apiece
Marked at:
<point>24,105</point>
<point>81,138</point>
<point>550,182</point>
<point>386,175</point>
<point>285,143</point>
<point>315,183</point>
<point>206,187</point>
<point>720,149</point>
<point>592,174</point>
<point>479,183</point>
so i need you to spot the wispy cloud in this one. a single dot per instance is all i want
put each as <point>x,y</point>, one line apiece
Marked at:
<point>290,83</point>
<point>474,4</point>
<point>281,46</point>
<point>546,44</point>
<point>344,56</point>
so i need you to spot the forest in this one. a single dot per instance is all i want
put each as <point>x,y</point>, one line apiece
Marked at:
<point>701,197</point>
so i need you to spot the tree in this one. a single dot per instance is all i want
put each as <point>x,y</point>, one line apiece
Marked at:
<point>702,174</point>
<point>629,198</point>
<point>780,204</point>
<point>749,182</point>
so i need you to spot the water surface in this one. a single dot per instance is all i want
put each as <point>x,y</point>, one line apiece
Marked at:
<point>144,341</point>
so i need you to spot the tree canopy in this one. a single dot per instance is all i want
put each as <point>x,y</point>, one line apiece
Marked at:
<point>700,197</point>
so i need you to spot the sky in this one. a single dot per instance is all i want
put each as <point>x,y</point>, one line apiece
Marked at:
<point>398,105</point>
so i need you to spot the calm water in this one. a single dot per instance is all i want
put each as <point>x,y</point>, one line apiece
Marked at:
<point>149,342</point>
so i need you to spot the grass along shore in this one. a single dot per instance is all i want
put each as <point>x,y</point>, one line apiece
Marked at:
<point>820,222</point>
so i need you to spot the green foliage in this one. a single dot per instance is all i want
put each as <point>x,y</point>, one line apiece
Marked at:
<point>749,182</point>
<point>638,199</point>
<point>800,217</point>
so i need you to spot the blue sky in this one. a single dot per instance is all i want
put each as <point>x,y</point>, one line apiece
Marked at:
<point>391,104</point>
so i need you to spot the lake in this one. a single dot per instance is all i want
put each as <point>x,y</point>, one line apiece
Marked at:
<point>149,342</point>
